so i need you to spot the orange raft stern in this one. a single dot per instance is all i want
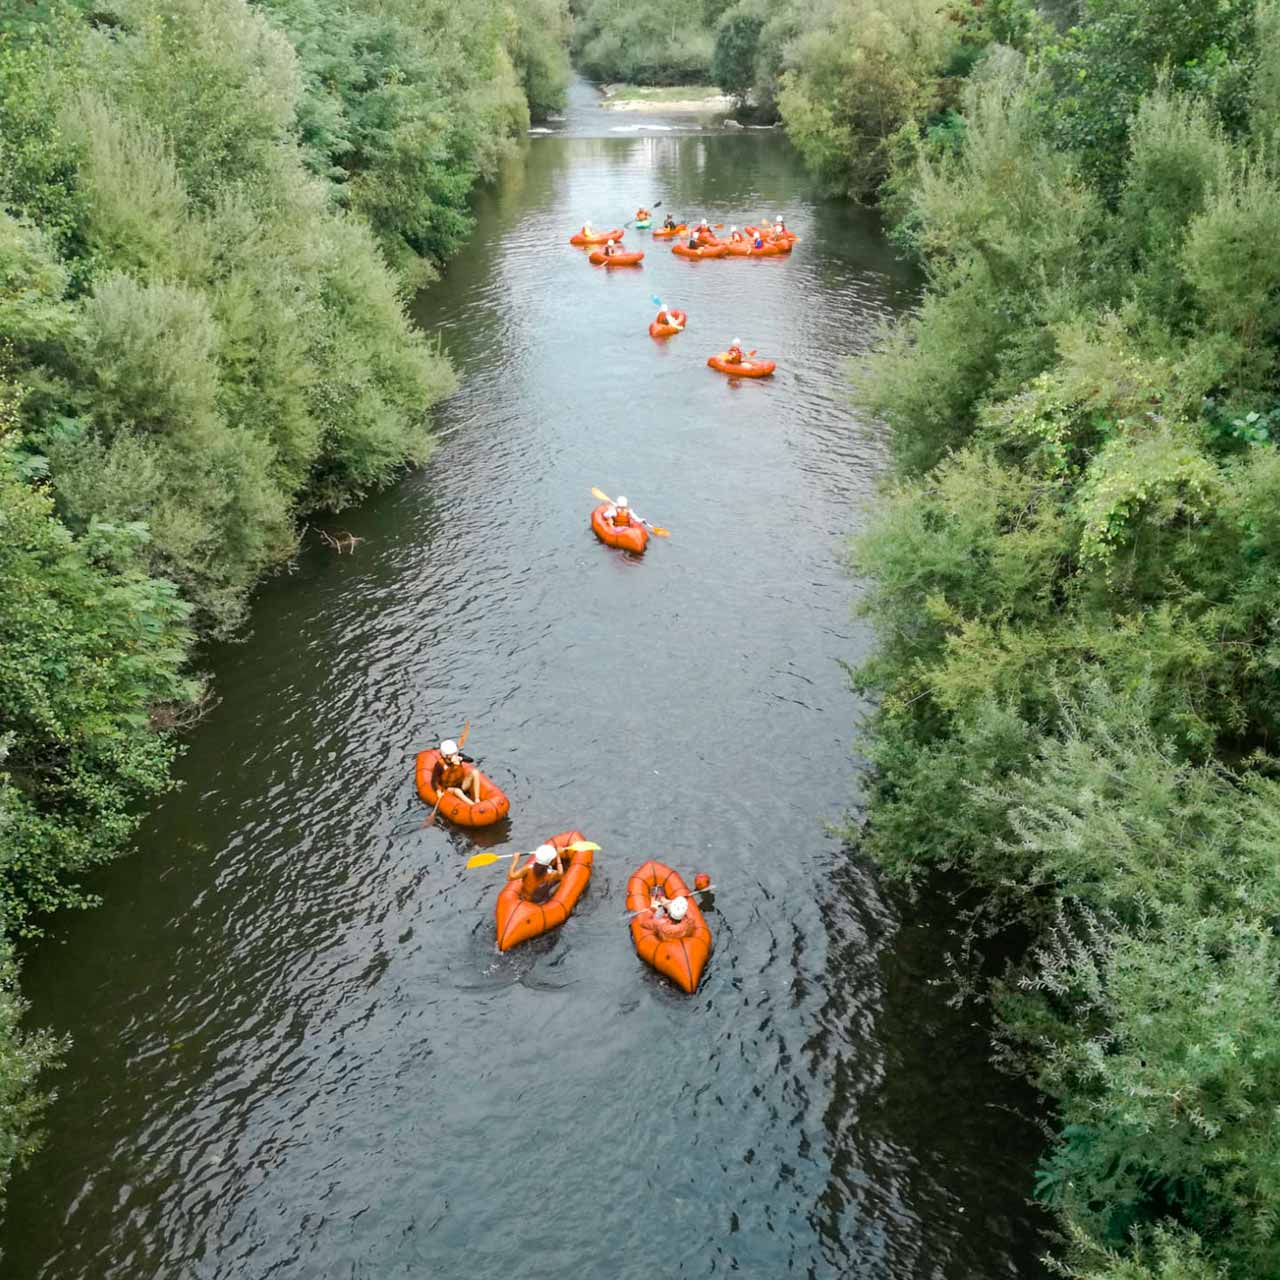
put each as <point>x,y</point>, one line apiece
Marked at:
<point>518,920</point>
<point>492,807</point>
<point>680,959</point>
<point>627,537</point>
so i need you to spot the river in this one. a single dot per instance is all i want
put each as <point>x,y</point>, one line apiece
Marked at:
<point>297,1052</point>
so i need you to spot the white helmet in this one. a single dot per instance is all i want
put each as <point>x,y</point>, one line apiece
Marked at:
<point>703,223</point>
<point>733,228</point>
<point>621,502</point>
<point>544,855</point>
<point>778,218</point>
<point>737,342</point>
<point>677,907</point>
<point>448,747</point>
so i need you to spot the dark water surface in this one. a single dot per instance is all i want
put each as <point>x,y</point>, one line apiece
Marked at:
<point>297,1053</point>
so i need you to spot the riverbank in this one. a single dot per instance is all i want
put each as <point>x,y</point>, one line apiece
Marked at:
<point>691,99</point>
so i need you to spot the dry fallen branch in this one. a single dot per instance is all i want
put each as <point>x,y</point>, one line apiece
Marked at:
<point>340,541</point>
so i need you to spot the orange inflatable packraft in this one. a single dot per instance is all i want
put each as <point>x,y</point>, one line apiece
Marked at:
<point>657,330</point>
<point>627,537</point>
<point>742,369</point>
<point>680,959</point>
<point>598,237</point>
<point>631,258</point>
<point>518,920</point>
<point>492,806</point>
<point>705,251</point>
<point>665,233</point>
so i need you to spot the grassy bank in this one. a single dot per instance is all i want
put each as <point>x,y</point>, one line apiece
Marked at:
<point>210,217</point>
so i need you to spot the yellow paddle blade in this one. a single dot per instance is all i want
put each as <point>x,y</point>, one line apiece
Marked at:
<point>488,859</point>
<point>602,496</point>
<point>660,531</point>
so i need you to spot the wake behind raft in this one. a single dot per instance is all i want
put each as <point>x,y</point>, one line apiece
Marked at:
<point>519,920</point>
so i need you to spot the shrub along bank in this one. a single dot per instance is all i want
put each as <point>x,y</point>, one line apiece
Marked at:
<point>210,214</point>
<point>1076,584</point>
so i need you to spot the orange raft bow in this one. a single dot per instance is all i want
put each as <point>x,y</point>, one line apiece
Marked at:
<point>492,806</point>
<point>680,959</point>
<point>626,537</point>
<point>624,259</point>
<point>598,237</point>
<point>518,920</point>
<point>657,330</point>
<point>743,368</point>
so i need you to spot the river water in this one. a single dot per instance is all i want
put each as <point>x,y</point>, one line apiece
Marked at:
<point>297,1053</point>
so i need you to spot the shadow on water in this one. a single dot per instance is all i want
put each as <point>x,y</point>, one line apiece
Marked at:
<point>297,1052</point>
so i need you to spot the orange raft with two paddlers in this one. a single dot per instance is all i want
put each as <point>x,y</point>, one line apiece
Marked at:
<point>492,806</point>
<point>626,537</point>
<point>626,258</point>
<point>596,237</point>
<point>519,920</point>
<point>680,959</point>
<point>741,368</point>
<point>657,330</point>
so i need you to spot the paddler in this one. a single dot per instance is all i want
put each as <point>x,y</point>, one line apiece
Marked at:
<point>669,223</point>
<point>758,242</point>
<point>735,235</point>
<point>667,315</point>
<point>779,227</point>
<point>734,354</point>
<point>671,919</point>
<point>621,514</point>
<point>694,242</point>
<point>537,876</point>
<point>587,232</point>
<point>642,215</point>
<point>610,248</point>
<point>450,773</point>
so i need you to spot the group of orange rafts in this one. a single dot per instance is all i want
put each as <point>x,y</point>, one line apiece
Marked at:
<point>667,925</point>
<point>693,241</point>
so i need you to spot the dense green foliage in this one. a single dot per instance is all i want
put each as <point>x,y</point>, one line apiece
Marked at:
<point>1076,586</point>
<point>211,212</point>
<point>844,76</point>
<point>657,42</point>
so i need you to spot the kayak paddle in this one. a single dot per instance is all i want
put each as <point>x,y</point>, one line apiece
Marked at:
<point>653,528</point>
<point>488,859</point>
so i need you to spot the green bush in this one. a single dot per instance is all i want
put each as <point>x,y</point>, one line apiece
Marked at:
<point>1074,583</point>
<point>664,42</point>
<point>855,76</point>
